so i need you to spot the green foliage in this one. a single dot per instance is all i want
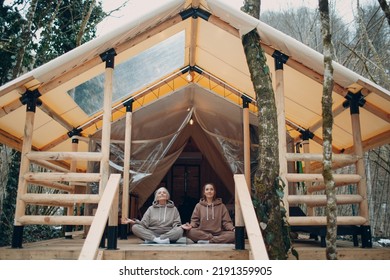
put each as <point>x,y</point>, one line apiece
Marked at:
<point>11,23</point>
<point>7,216</point>
<point>59,35</point>
<point>54,31</point>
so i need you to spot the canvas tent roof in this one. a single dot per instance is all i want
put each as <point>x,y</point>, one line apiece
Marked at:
<point>152,52</point>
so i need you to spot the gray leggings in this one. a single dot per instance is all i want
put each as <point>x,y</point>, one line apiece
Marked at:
<point>146,234</point>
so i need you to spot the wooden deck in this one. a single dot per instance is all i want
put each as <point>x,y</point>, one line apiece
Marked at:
<point>134,249</point>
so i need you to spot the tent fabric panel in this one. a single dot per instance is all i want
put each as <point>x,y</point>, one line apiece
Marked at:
<point>225,72</point>
<point>225,61</point>
<point>13,123</point>
<point>378,101</point>
<point>8,98</point>
<point>371,125</point>
<point>223,45</point>
<point>304,116</point>
<point>47,133</point>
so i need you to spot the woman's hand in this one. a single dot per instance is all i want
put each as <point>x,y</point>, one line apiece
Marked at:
<point>128,221</point>
<point>186,226</point>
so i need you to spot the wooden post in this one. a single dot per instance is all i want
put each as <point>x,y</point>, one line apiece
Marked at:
<point>107,57</point>
<point>238,216</point>
<point>73,167</point>
<point>280,59</point>
<point>355,101</point>
<point>30,98</point>
<point>306,136</point>
<point>126,166</point>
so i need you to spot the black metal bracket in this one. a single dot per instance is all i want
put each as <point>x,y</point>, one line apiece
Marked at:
<point>191,68</point>
<point>280,59</point>
<point>129,105</point>
<point>74,132</point>
<point>354,101</point>
<point>108,57</point>
<point>306,134</point>
<point>31,99</point>
<point>245,101</point>
<point>195,13</point>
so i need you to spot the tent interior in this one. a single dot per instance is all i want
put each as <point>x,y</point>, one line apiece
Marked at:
<point>184,68</point>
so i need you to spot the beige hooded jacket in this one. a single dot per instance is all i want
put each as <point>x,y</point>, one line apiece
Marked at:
<point>212,218</point>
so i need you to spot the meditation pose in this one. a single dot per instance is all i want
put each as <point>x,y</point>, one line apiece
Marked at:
<point>161,222</point>
<point>210,220</point>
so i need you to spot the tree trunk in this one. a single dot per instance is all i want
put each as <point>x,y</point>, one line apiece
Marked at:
<point>266,181</point>
<point>25,39</point>
<point>386,9</point>
<point>327,126</point>
<point>84,23</point>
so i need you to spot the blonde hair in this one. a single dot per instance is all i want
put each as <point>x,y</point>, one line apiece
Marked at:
<point>161,188</point>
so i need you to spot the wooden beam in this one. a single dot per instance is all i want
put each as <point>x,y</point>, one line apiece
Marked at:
<point>321,221</point>
<point>377,111</point>
<point>282,133</point>
<point>10,107</point>
<point>51,166</point>
<point>19,86</point>
<point>321,200</point>
<point>54,185</point>
<point>371,88</point>
<point>343,158</point>
<point>224,26</point>
<point>126,164</point>
<point>10,140</point>
<point>24,165</point>
<point>59,199</point>
<point>55,220</point>
<point>63,177</point>
<point>106,129</point>
<point>338,178</point>
<point>322,187</point>
<point>91,244</point>
<point>194,36</point>
<point>88,156</point>
<point>253,231</point>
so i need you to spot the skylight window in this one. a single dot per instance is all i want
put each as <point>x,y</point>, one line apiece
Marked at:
<point>133,74</point>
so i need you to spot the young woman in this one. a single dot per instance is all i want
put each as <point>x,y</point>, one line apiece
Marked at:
<point>161,222</point>
<point>210,220</point>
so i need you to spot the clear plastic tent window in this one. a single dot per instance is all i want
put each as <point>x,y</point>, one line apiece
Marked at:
<point>133,74</point>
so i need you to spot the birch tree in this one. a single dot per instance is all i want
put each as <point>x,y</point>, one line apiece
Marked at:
<point>327,126</point>
<point>386,9</point>
<point>266,185</point>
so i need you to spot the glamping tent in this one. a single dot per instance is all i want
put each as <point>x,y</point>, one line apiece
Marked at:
<point>173,89</point>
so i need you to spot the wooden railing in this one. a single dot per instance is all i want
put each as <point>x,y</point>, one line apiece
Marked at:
<point>256,241</point>
<point>110,194</point>
<point>319,200</point>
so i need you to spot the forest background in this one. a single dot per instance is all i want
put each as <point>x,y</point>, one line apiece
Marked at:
<point>33,32</point>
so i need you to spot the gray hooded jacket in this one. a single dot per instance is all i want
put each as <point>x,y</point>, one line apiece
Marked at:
<point>161,218</point>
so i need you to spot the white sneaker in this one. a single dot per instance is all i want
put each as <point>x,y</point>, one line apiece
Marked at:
<point>203,242</point>
<point>149,242</point>
<point>161,241</point>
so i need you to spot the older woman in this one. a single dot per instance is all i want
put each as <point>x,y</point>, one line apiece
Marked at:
<point>161,222</point>
<point>210,220</point>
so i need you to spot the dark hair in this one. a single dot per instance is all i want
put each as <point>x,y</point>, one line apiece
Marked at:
<point>204,188</point>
